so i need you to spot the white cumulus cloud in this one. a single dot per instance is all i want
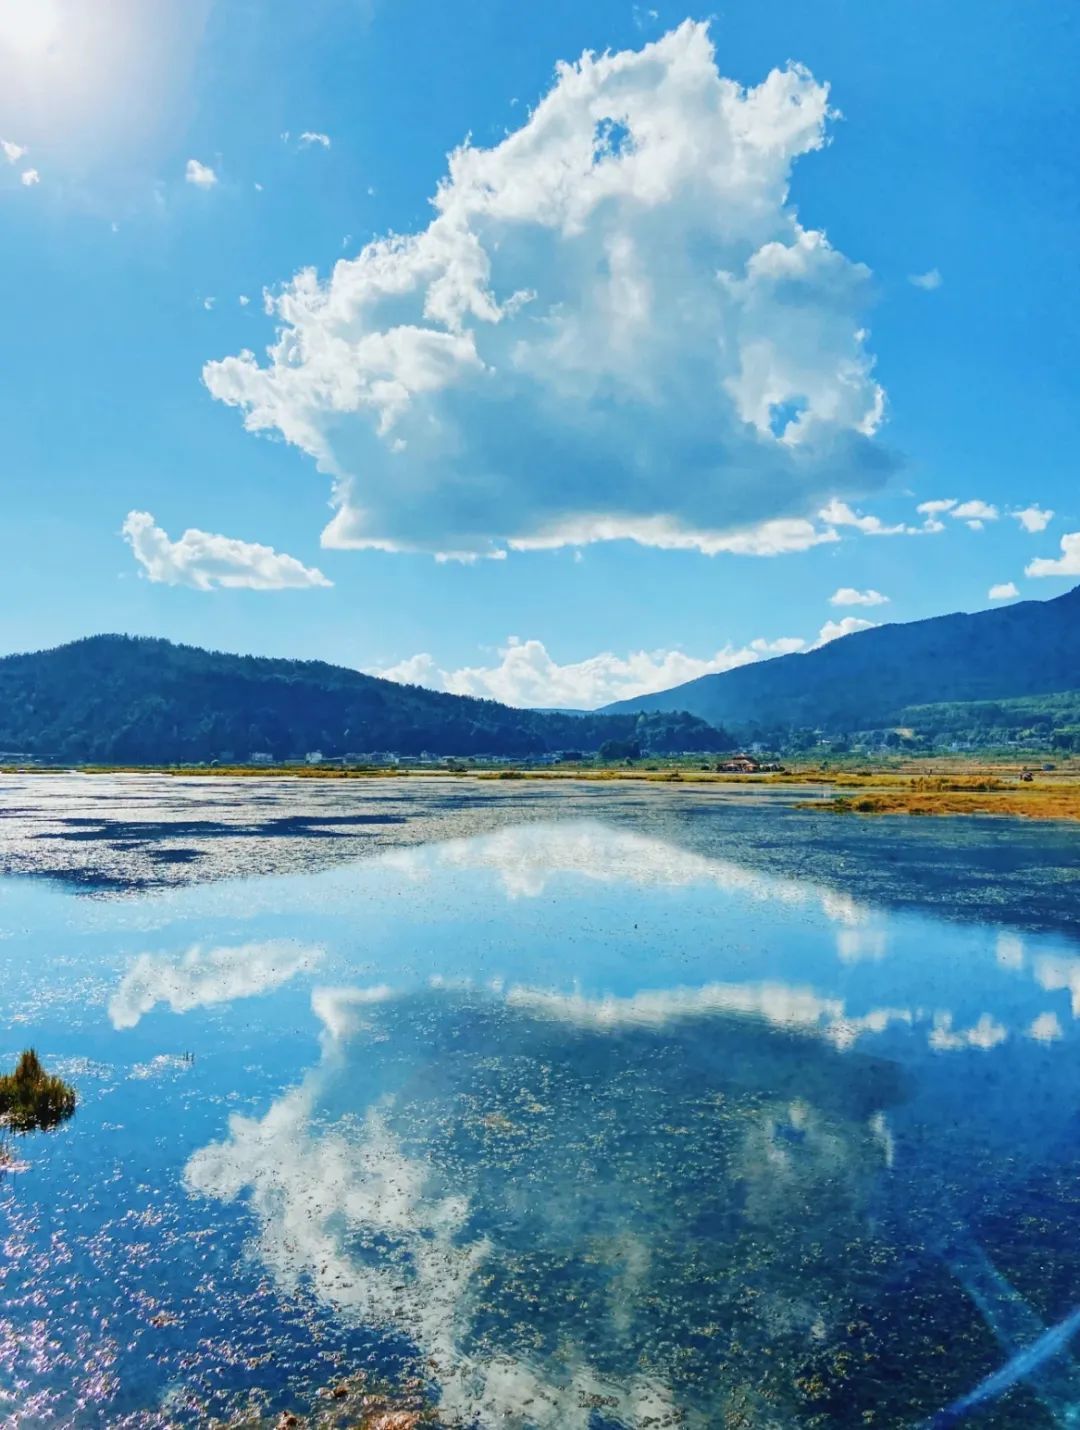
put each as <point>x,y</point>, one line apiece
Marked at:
<point>613,328</point>
<point>1033,518</point>
<point>311,136</point>
<point>11,151</point>
<point>849,596</point>
<point>527,675</point>
<point>202,560</point>
<point>1067,564</point>
<point>927,281</point>
<point>201,175</point>
<point>1003,591</point>
<point>29,177</point>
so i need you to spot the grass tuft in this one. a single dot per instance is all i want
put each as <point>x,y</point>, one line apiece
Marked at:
<point>32,1098</point>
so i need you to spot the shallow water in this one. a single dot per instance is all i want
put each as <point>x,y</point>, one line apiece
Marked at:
<point>586,1107</point>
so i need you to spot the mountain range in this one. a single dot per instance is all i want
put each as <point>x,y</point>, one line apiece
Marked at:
<point>867,680</point>
<point>125,699</point>
<point>129,699</point>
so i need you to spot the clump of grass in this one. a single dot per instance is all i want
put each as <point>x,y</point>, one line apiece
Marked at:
<point>1034,801</point>
<point>32,1098</point>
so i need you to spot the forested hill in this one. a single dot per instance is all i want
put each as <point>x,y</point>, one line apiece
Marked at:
<point>864,681</point>
<point>134,700</point>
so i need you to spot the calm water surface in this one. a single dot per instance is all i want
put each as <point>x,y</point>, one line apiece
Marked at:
<point>579,1108</point>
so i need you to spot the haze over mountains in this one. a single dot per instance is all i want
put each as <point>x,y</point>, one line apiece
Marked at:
<point>139,700</point>
<point>868,679</point>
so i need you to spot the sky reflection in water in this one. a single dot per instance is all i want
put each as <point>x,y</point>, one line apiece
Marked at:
<point>594,1129</point>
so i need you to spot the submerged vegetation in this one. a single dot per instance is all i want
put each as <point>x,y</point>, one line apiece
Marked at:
<point>32,1098</point>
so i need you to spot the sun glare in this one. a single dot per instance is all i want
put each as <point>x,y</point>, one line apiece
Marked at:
<point>28,26</point>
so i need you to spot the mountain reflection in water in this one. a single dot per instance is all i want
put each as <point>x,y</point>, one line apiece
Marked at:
<point>583,1126</point>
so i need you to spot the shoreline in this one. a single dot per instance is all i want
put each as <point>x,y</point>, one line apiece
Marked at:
<point>939,788</point>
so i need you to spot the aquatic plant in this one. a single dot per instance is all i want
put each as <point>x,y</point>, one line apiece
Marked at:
<point>32,1098</point>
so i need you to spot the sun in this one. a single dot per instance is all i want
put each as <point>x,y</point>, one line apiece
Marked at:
<point>28,26</point>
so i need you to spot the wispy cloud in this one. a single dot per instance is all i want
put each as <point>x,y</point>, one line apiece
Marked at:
<point>530,327</point>
<point>204,561</point>
<point>201,175</point>
<point>11,151</point>
<point>200,977</point>
<point>839,513</point>
<point>927,281</point>
<point>311,136</point>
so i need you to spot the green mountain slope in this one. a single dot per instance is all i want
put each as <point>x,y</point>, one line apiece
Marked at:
<point>125,699</point>
<point>866,680</point>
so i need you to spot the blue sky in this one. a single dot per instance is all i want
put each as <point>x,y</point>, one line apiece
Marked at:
<point>657,317</point>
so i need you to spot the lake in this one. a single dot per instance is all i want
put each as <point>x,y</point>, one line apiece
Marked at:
<point>428,1101</point>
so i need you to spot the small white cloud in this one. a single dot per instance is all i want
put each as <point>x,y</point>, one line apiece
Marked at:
<point>985,1034</point>
<point>1046,1028</point>
<point>310,137</point>
<point>201,175</point>
<point>208,303</point>
<point>974,513</point>
<point>933,511</point>
<point>12,152</point>
<point>927,281</point>
<point>204,561</point>
<point>1067,564</point>
<point>1033,518</point>
<point>849,596</point>
<point>1003,591</point>
<point>243,300</point>
<point>834,630</point>
<point>29,177</point>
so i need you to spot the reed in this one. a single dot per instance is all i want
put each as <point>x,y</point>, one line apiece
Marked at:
<point>32,1098</point>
